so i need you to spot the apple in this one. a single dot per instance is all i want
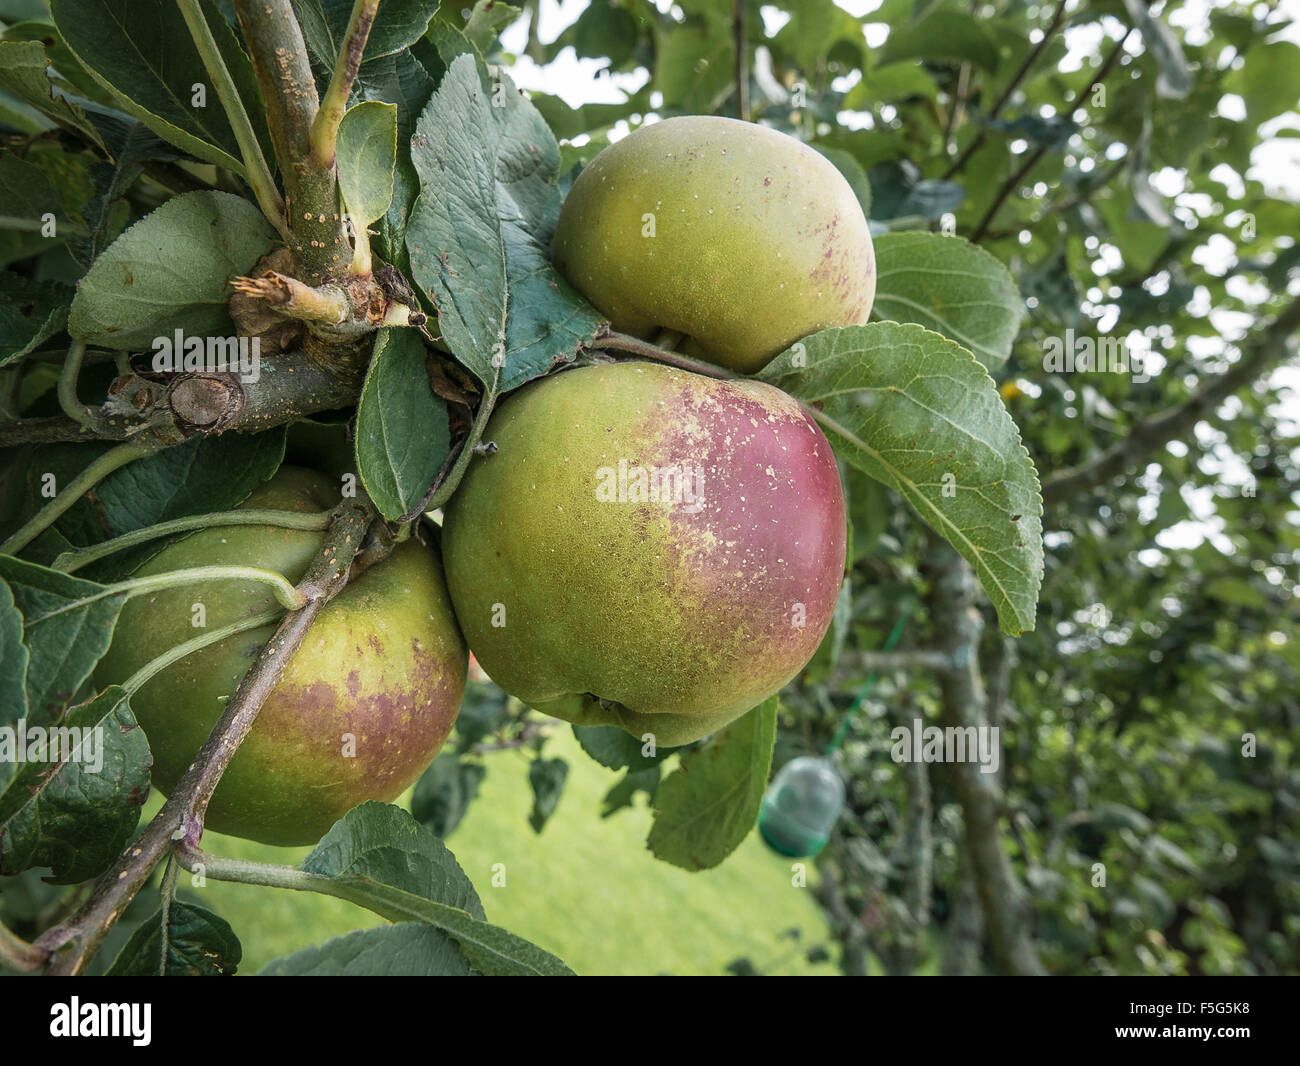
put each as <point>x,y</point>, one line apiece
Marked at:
<point>647,547</point>
<point>735,235</point>
<point>363,706</point>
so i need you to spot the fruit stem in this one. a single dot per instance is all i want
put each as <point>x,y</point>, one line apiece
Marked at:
<point>67,390</point>
<point>17,954</point>
<point>449,484</point>
<point>91,476</point>
<point>136,681</point>
<point>72,561</point>
<point>610,340</point>
<point>286,595</point>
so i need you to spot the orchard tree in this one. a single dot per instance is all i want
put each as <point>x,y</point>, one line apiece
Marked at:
<point>914,364</point>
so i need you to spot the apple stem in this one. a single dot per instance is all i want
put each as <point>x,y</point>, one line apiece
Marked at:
<point>611,340</point>
<point>72,561</point>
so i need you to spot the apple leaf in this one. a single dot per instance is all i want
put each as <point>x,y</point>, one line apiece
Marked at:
<point>546,777</point>
<point>920,414</point>
<point>30,314</point>
<point>13,673</point>
<point>23,73</point>
<point>399,25</point>
<point>479,233</point>
<point>199,944</point>
<point>171,270</point>
<point>76,808</point>
<point>67,626</point>
<point>616,748</point>
<point>366,154</point>
<point>403,436</point>
<point>941,34</point>
<point>445,791</point>
<point>950,286</point>
<point>378,857</point>
<point>708,805</point>
<point>407,949</point>
<point>142,51</point>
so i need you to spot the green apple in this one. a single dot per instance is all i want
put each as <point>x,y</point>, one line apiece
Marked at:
<point>363,706</point>
<point>647,547</point>
<point>735,235</point>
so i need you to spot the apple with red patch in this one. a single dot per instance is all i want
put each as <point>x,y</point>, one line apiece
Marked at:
<point>364,704</point>
<point>647,547</point>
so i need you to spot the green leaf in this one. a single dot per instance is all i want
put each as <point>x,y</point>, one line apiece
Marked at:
<point>921,415</point>
<point>444,792</point>
<point>199,944</point>
<point>546,777</point>
<point>942,34</point>
<point>383,843</point>
<point>606,31</point>
<point>399,24</point>
<point>171,271</point>
<point>67,626</point>
<point>29,196</point>
<point>625,789</point>
<point>143,52</point>
<point>380,858</point>
<point>480,231</point>
<point>30,314</point>
<point>367,156</point>
<point>486,21</point>
<point>952,287</point>
<point>13,673</point>
<point>403,436</point>
<point>693,63</point>
<point>704,809</point>
<point>23,72</point>
<point>853,173</point>
<point>1268,80</point>
<point>76,808</point>
<point>407,949</point>
<point>616,748</point>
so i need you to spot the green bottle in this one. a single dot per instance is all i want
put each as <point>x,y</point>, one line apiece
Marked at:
<point>800,807</point>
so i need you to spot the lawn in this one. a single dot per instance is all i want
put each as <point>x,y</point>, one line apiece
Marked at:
<point>585,888</point>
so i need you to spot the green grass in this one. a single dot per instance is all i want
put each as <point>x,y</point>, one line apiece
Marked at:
<point>586,889</point>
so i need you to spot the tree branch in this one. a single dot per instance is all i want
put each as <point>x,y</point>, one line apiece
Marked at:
<point>1259,353</point>
<point>741,70</point>
<point>1030,59</point>
<point>279,54</point>
<point>71,944</point>
<point>1002,897</point>
<point>325,127</point>
<point>1031,161</point>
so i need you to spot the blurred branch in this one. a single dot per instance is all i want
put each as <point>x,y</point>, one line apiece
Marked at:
<point>852,662</point>
<point>1030,59</point>
<point>963,935</point>
<point>1259,352</point>
<point>1003,900</point>
<point>1013,182</point>
<point>742,57</point>
<point>71,944</point>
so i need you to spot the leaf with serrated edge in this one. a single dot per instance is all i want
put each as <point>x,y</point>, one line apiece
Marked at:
<point>910,407</point>
<point>199,944</point>
<point>403,436</point>
<point>142,51</point>
<point>950,286</point>
<point>704,809</point>
<point>479,232</point>
<point>22,72</point>
<point>171,270</point>
<point>68,814</point>
<point>407,949</point>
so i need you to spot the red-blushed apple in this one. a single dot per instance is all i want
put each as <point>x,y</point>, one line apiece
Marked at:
<point>647,547</point>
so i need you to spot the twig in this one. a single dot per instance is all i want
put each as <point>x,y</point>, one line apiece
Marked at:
<point>853,662</point>
<point>1012,86</point>
<point>71,944</point>
<point>1143,439</point>
<point>325,127</point>
<point>443,490</point>
<point>1013,182</point>
<point>18,955</point>
<point>279,55</point>
<point>610,340</point>
<point>67,390</point>
<point>255,168</point>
